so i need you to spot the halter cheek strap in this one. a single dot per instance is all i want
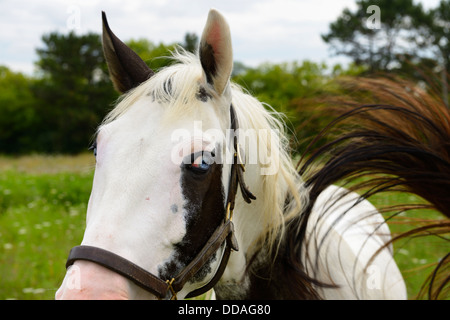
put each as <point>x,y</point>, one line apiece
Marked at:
<point>224,233</point>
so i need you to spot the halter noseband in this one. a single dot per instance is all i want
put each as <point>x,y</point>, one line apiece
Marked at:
<point>223,233</point>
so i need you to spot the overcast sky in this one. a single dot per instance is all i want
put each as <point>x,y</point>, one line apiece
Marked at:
<point>262,30</point>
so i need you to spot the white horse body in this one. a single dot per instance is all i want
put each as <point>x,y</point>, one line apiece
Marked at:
<point>351,232</point>
<point>344,236</point>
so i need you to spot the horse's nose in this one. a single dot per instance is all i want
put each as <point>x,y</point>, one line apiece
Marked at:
<point>89,281</point>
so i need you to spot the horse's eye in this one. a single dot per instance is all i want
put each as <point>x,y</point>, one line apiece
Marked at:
<point>200,166</point>
<point>93,148</point>
<point>200,162</point>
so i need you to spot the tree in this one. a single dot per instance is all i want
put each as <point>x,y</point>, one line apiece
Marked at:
<point>159,55</point>
<point>156,56</point>
<point>436,34</point>
<point>18,116</point>
<point>74,91</point>
<point>284,87</point>
<point>377,45</point>
<point>190,42</point>
<point>278,84</point>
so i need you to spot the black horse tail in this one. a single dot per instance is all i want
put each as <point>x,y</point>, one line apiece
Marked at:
<point>399,143</point>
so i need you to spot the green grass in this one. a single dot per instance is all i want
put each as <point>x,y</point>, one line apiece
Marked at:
<point>43,204</point>
<point>42,215</point>
<point>415,256</point>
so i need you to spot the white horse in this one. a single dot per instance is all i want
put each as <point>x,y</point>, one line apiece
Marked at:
<point>170,157</point>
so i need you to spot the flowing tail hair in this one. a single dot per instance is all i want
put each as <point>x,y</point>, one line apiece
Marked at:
<point>399,143</point>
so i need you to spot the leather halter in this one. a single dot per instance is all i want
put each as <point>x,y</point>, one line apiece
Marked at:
<point>224,233</point>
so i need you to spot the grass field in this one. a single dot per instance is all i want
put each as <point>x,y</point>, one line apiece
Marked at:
<point>43,202</point>
<point>415,256</point>
<point>42,215</point>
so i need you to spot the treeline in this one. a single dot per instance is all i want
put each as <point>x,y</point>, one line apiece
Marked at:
<point>58,109</point>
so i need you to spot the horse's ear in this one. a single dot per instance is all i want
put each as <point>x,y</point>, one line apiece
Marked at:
<point>216,53</point>
<point>126,68</point>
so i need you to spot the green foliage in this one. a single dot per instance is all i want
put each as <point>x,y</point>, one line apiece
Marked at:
<point>17,113</point>
<point>156,56</point>
<point>277,84</point>
<point>190,42</point>
<point>59,111</point>
<point>74,92</point>
<point>284,87</point>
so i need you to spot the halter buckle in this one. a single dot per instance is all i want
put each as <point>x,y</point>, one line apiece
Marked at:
<point>172,290</point>
<point>229,213</point>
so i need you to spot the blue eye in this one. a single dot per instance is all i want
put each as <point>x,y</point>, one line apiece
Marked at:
<point>201,166</point>
<point>199,162</point>
<point>93,148</point>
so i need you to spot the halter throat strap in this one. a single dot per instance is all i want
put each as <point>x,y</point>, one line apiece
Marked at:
<point>224,233</point>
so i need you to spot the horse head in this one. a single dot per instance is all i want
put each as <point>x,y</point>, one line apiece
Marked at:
<point>162,186</point>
